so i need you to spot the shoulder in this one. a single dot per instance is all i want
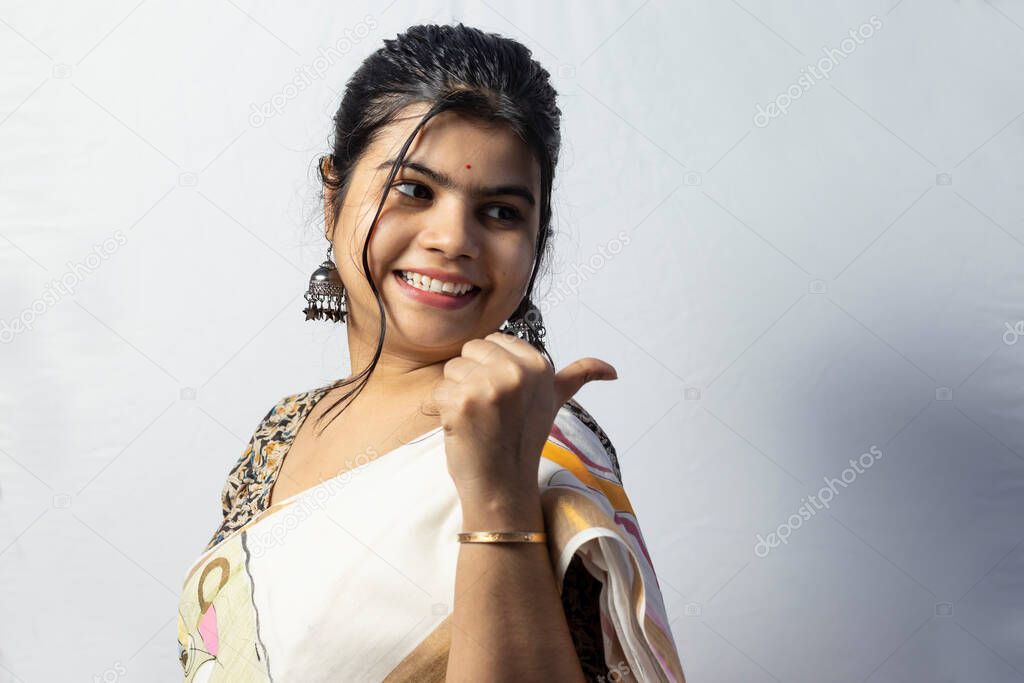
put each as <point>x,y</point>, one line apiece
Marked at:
<point>576,430</point>
<point>286,413</point>
<point>245,488</point>
<point>287,408</point>
<point>273,429</point>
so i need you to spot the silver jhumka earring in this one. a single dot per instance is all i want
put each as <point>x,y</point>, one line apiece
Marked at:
<point>325,297</point>
<point>528,326</point>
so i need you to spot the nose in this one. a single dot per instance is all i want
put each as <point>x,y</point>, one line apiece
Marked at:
<point>451,228</point>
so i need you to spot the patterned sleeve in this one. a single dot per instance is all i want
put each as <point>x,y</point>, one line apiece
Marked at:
<point>241,479</point>
<point>610,590</point>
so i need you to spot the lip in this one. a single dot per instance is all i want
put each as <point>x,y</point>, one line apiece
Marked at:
<point>434,298</point>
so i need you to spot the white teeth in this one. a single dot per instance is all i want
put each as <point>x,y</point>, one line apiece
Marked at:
<point>420,281</point>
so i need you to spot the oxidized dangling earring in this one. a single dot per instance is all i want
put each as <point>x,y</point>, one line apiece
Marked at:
<point>325,298</point>
<point>528,326</point>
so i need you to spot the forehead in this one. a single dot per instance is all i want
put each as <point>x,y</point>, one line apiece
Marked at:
<point>454,142</point>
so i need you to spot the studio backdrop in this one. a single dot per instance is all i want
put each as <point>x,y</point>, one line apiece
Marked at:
<point>795,228</point>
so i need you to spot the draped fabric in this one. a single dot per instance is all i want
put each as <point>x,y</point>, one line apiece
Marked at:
<point>353,579</point>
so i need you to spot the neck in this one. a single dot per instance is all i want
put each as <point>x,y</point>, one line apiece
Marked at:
<point>395,372</point>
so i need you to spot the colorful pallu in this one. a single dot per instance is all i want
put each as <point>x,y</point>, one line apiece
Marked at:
<point>353,579</point>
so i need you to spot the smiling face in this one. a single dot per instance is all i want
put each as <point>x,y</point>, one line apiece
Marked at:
<point>465,208</point>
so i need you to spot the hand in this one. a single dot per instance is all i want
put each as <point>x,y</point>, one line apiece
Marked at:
<point>497,401</point>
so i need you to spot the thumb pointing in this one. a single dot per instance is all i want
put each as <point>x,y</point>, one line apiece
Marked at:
<point>572,377</point>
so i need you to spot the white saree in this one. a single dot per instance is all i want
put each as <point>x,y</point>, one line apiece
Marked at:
<point>353,579</point>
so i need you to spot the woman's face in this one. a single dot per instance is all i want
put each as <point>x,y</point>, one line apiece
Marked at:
<point>463,208</point>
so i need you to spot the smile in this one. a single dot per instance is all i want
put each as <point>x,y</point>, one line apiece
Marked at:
<point>435,292</point>
<point>429,284</point>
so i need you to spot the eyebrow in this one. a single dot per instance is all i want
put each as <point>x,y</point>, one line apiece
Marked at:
<point>447,182</point>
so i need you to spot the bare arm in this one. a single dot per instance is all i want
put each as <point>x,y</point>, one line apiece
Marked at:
<point>507,622</point>
<point>498,401</point>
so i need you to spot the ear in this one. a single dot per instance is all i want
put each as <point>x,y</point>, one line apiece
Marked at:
<point>328,215</point>
<point>328,172</point>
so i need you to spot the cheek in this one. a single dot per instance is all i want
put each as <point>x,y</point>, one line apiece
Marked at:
<point>386,246</point>
<point>526,252</point>
<point>517,265</point>
<point>391,239</point>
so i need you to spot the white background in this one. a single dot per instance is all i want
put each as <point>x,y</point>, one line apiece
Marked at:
<point>847,276</point>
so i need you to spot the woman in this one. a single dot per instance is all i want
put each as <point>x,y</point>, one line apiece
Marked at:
<point>349,559</point>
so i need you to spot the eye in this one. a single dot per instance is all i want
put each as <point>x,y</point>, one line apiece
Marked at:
<point>414,190</point>
<point>415,187</point>
<point>512,213</point>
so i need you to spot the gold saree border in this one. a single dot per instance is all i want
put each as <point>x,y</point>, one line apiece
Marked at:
<point>613,491</point>
<point>569,512</point>
<point>428,661</point>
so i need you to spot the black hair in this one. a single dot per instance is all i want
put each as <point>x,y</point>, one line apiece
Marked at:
<point>484,75</point>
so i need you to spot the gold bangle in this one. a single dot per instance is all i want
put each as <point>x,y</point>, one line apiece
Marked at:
<point>502,537</point>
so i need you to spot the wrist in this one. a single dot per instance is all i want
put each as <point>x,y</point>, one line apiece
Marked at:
<point>503,511</point>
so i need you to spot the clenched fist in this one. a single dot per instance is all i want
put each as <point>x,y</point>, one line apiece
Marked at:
<point>497,401</point>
